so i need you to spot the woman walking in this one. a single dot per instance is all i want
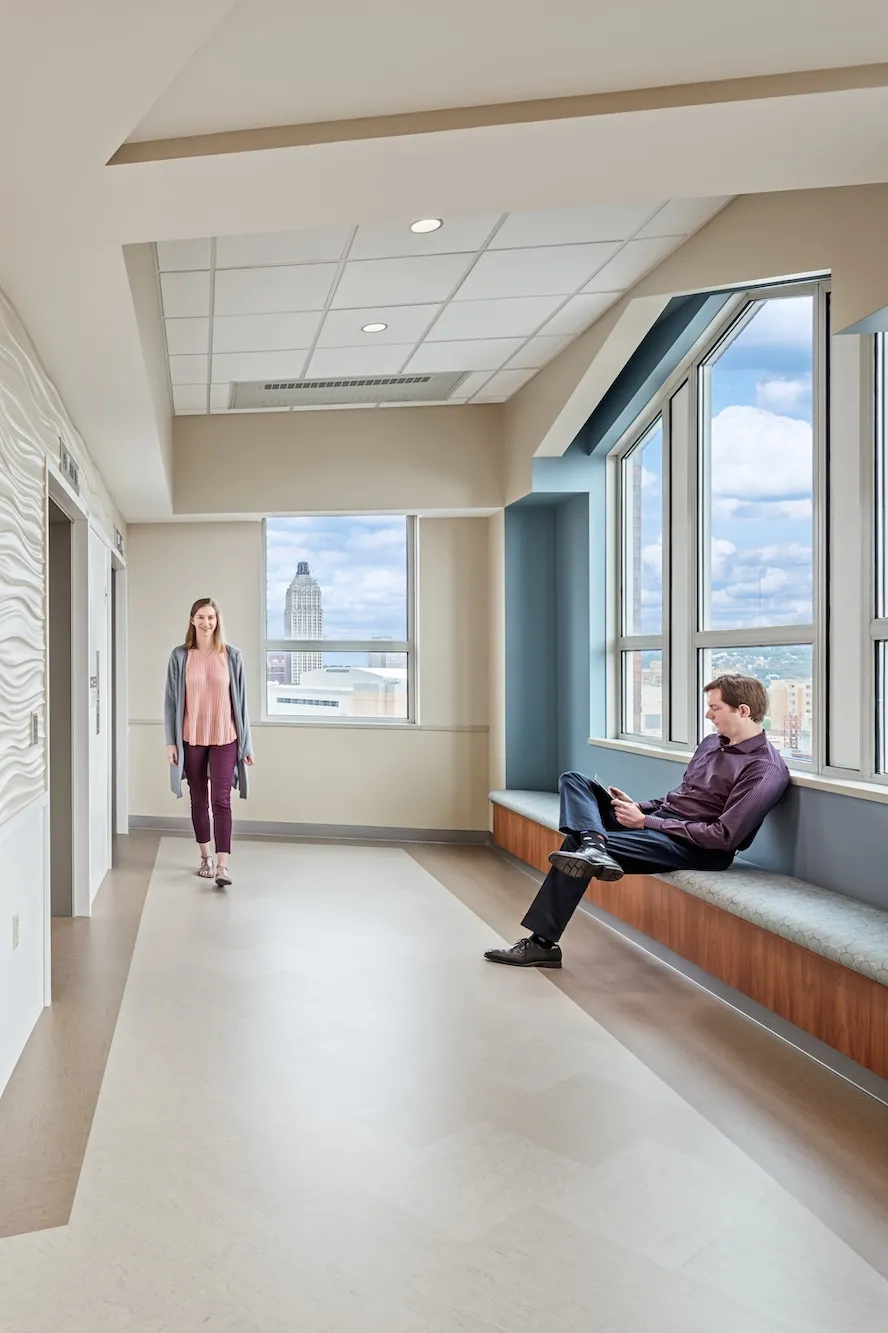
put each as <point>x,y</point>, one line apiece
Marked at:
<point>208,732</point>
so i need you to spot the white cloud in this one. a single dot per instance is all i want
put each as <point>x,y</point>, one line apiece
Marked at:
<point>781,394</point>
<point>758,456</point>
<point>754,586</point>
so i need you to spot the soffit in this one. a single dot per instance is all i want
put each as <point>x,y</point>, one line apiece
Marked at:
<point>270,62</point>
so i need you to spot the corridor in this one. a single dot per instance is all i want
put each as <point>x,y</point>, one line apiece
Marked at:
<point>321,1110</point>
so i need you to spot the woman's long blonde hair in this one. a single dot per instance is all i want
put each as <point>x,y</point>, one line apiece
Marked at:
<point>218,633</point>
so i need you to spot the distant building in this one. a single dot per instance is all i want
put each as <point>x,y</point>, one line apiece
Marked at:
<point>278,668</point>
<point>342,691</point>
<point>386,659</point>
<point>791,716</point>
<point>304,619</point>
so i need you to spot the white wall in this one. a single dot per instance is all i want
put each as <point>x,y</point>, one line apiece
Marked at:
<point>431,776</point>
<point>33,420</point>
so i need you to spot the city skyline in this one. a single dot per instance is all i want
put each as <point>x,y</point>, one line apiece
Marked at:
<point>359,563</point>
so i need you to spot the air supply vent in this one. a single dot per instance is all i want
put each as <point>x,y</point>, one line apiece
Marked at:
<point>255,394</point>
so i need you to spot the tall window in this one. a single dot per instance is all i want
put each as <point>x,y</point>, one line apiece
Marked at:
<point>717,522</point>
<point>641,647</point>
<point>757,511</point>
<point>338,618</point>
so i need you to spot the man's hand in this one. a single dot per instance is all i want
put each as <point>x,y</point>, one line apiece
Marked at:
<point>627,812</point>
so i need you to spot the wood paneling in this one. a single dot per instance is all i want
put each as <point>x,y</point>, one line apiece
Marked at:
<point>846,1010</point>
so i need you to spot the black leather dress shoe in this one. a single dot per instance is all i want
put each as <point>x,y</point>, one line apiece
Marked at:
<point>526,953</point>
<point>590,861</point>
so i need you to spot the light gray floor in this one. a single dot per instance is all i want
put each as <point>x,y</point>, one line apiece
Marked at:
<point>323,1111</point>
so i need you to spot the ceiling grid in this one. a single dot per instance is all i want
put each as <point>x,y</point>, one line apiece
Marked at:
<point>493,296</point>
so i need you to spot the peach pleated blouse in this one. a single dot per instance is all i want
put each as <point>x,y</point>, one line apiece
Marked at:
<point>208,715</point>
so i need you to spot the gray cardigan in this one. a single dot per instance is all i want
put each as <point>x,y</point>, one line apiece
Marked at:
<point>174,716</point>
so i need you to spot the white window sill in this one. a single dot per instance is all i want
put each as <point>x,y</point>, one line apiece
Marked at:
<point>837,786</point>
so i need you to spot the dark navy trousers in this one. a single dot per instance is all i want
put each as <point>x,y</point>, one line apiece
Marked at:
<point>586,808</point>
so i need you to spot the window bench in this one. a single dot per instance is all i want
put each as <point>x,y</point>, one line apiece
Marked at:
<point>814,957</point>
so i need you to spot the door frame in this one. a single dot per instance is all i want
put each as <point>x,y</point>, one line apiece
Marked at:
<point>62,495</point>
<point>120,697</point>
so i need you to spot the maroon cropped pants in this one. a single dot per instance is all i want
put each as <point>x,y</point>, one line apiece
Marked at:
<point>213,765</point>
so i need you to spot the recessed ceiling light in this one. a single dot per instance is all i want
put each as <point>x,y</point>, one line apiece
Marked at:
<point>374,328</point>
<point>427,224</point>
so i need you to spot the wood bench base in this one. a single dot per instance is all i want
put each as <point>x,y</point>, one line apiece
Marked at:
<point>842,1008</point>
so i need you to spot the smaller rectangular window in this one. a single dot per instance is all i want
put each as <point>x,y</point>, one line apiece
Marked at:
<point>643,693</point>
<point>339,612</point>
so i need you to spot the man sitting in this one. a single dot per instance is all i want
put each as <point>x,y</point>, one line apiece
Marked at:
<point>733,780</point>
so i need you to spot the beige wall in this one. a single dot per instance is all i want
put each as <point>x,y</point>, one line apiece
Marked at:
<point>430,776</point>
<point>397,460</point>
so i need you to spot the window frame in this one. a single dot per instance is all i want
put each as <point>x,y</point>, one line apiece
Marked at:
<point>876,645</point>
<point>685,532</point>
<point>408,645</point>
<point>637,642</point>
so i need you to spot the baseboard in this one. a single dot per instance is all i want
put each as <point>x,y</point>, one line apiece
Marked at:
<point>257,828</point>
<point>834,1060</point>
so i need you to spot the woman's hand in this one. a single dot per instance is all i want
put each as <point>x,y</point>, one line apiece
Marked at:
<point>173,755</point>
<point>248,760</point>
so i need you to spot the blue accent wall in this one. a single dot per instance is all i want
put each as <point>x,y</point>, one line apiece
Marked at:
<point>573,629</point>
<point>531,664</point>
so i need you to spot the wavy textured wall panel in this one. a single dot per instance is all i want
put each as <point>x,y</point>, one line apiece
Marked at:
<point>33,422</point>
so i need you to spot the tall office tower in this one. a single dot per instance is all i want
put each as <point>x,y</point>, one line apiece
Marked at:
<point>304,619</point>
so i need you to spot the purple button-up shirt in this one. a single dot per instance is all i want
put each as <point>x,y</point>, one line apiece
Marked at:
<point>725,794</point>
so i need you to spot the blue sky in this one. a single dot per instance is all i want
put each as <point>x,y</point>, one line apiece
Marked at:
<point>761,477</point>
<point>360,563</point>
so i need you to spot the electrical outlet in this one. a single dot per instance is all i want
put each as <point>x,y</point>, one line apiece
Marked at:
<point>15,932</point>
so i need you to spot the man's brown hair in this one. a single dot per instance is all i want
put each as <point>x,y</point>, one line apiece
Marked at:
<point>737,690</point>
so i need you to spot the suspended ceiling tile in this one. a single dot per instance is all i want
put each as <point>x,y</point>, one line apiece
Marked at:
<point>606,222</point>
<point>680,217</point>
<point>177,256</point>
<point>259,291</point>
<point>634,260</point>
<point>358,361</point>
<point>219,397</point>
<point>414,281</point>
<point>556,270</point>
<point>394,240</point>
<point>406,324</point>
<point>287,247</point>
<point>578,313</point>
<point>514,317</point>
<point>187,336</point>
<point>488,354</point>
<point>472,383</point>
<point>185,295</point>
<point>258,365</point>
<point>189,369</point>
<point>537,352</point>
<point>190,398</point>
<point>264,333</point>
<point>503,385</point>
